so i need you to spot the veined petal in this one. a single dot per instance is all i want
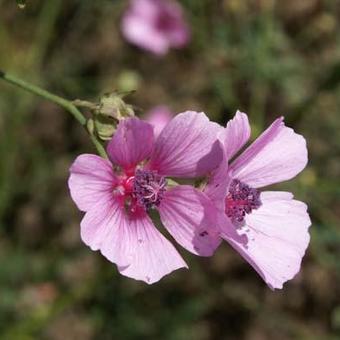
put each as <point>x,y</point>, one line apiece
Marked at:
<point>191,218</point>
<point>218,183</point>
<point>100,221</point>
<point>187,147</point>
<point>91,180</point>
<point>132,143</point>
<point>277,155</point>
<point>153,256</point>
<point>274,238</point>
<point>138,249</point>
<point>237,134</point>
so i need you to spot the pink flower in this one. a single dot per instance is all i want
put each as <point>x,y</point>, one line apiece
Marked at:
<point>159,117</point>
<point>269,229</point>
<point>155,25</point>
<point>118,194</point>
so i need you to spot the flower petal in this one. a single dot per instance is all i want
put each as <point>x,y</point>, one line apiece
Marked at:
<point>277,155</point>
<point>132,143</point>
<point>178,32</point>
<point>274,238</point>
<point>190,217</point>
<point>218,183</point>
<point>91,180</point>
<point>152,255</point>
<point>188,146</point>
<point>237,134</point>
<point>99,222</point>
<point>138,249</point>
<point>138,31</point>
<point>159,117</point>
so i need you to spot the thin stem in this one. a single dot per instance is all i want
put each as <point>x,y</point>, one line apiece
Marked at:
<point>64,103</point>
<point>67,105</point>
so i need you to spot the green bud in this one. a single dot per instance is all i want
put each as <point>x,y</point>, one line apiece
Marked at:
<point>113,105</point>
<point>106,114</point>
<point>105,126</point>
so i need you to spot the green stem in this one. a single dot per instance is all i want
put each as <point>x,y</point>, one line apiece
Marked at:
<point>64,103</point>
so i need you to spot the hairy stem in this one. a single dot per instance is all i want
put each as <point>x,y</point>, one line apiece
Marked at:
<point>64,103</point>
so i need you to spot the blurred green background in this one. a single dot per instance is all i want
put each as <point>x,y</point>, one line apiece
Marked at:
<point>264,57</point>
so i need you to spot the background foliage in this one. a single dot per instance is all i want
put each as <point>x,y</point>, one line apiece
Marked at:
<point>265,57</point>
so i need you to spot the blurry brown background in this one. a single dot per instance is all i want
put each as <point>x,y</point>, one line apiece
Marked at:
<point>265,57</point>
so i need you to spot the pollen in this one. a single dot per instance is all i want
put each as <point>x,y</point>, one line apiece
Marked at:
<point>241,200</point>
<point>148,188</point>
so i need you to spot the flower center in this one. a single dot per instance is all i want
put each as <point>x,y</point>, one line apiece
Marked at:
<point>241,200</point>
<point>148,188</point>
<point>166,21</point>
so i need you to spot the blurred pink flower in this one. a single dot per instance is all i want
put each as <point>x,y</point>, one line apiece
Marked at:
<point>269,229</point>
<point>159,117</point>
<point>155,25</point>
<point>117,195</point>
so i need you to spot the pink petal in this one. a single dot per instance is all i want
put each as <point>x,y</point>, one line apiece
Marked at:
<point>275,237</point>
<point>132,143</point>
<point>101,221</point>
<point>175,25</point>
<point>153,255</point>
<point>277,155</point>
<point>139,32</point>
<point>237,134</point>
<point>91,180</point>
<point>188,146</point>
<point>190,218</point>
<point>132,243</point>
<point>159,117</point>
<point>218,183</point>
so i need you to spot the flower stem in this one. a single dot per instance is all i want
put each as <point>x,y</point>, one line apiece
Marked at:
<point>64,103</point>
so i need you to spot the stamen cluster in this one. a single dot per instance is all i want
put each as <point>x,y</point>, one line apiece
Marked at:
<point>148,188</point>
<point>241,200</point>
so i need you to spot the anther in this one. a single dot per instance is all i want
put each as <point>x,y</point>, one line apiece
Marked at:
<point>241,200</point>
<point>148,188</point>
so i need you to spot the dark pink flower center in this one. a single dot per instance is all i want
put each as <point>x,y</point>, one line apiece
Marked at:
<point>148,188</point>
<point>166,22</point>
<point>241,200</point>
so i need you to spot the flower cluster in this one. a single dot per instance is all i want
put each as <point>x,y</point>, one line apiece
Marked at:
<point>122,195</point>
<point>139,183</point>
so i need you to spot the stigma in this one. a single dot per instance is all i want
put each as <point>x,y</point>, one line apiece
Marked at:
<point>148,188</point>
<point>241,200</point>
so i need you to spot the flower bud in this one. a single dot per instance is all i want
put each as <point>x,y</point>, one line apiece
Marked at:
<point>110,110</point>
<point>113,105</point>
<point>105,126</point>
